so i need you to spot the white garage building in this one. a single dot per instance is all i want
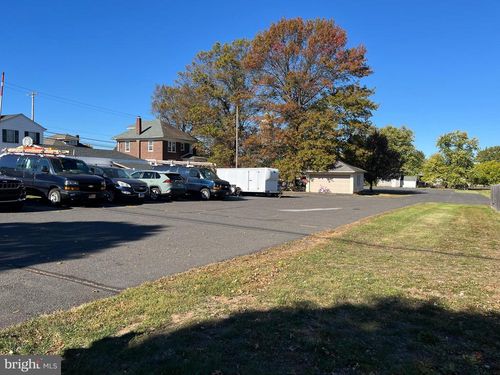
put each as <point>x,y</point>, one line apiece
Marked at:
<point>341,179</point>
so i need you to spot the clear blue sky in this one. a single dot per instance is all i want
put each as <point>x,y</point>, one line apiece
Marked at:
<point>436,63</point>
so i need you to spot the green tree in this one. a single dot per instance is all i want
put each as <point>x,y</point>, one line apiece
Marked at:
<point>401,140</point>
<point>434,170</point>
<point>378,159</point>
<point>204,99</point>
<point>486,173</point>
<point>302,71</point>
<point>458,151</point>
<point>489,154</point>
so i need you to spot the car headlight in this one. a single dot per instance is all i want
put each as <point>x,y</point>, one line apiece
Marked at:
<point>71,185</point>
<point>123,184</point>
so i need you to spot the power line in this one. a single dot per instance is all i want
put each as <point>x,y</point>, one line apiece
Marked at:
<point>89,139</point>
<point>73,101</point>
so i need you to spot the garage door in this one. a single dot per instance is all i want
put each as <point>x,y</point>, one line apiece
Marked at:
<point>337,185</point>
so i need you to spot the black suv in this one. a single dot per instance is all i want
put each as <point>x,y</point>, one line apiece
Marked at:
<point>12,192</point>
<point>119,185</point>
<point>60,179</point>
<point>203,182</point>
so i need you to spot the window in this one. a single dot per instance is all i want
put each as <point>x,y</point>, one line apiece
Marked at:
<point>127,146</point>
<point>150,146</point>
<point>137,174</point>
<point>8,163</point>
<point>183,145</point>
<point>26,163</point>
<point>43,166</point>
<point>10,136</point>
<point>35,136</point>
<point>68,165</point>
<point>148,175</point>
<point>194,173</point>
<point>171,146</point>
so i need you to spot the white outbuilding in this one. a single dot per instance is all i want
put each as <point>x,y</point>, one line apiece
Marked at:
<point>341,179</point>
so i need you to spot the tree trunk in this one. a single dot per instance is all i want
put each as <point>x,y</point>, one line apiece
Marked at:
<point>371,186</point>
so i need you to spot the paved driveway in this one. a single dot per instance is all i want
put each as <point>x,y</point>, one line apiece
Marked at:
<point>54,259</point>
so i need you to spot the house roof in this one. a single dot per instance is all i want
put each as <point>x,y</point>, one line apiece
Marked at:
<point>63,137</point>
<point>341,167</point>
<point>9,117</point>
<point>155,129</point>
<point>79,151</point>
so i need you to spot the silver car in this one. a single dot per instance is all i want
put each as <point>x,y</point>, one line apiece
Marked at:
<point>162,184</point>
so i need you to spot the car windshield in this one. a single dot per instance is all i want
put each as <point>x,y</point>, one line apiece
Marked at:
<point>208,174</point>
<point>115,173</point>
<point>66,165</point>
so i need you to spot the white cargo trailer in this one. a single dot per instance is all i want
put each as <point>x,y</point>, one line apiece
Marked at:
<point>252,180</point>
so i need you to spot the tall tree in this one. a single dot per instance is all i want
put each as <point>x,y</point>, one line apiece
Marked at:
<point>489,154</point>
<point>298,68</point>
<point>457,152</point>
<point>205,98</point>
<point>401,140</point>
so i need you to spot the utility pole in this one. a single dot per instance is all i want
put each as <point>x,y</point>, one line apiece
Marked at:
<point>33,94</point>
<point>1,93</point>
<point>237,130</point>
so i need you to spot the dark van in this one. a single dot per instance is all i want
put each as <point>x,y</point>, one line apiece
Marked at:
<point>202,182</point>
<point>59,179</point>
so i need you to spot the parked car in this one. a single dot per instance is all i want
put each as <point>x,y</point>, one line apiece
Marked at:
<point>12,192</point>
<point>202,182</point>
<point>57,178</point>
<point>162,184</point>
<point>119,184</point>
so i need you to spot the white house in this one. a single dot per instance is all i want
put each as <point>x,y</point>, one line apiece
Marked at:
<point>341,179</point>
<point>15,127</point>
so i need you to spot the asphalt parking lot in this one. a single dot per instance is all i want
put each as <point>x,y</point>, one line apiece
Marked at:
<point>53,259</point>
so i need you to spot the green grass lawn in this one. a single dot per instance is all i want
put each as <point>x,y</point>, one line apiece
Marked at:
<point>484,192</point>
<point>412,291</point>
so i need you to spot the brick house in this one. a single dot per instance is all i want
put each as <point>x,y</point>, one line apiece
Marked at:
<point>155,140</point>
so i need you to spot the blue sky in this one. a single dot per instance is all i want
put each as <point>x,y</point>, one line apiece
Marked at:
<point>436,63</point>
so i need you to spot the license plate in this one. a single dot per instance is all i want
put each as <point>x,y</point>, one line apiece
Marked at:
<point>140,195</point>
<point>91,196</point>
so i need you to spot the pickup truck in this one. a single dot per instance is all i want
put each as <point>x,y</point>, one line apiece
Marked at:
<point>61,180</point>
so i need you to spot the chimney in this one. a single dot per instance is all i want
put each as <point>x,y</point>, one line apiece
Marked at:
<point>138,125</point>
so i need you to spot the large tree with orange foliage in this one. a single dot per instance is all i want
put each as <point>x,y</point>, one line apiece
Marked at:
<point>301,69</point>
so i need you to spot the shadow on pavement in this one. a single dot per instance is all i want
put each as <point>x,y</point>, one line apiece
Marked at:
<point>390,335</point>
<point>388,191</point>
<point>26,244</point>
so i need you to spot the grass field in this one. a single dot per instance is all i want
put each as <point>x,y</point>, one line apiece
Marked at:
<point>413,291</point>
<point>484,192</point>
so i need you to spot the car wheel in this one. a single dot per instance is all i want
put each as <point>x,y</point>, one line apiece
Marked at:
<point>54,197</point>
<point>205,194</point>
<point>155,194</point>
<point>109,195</point>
